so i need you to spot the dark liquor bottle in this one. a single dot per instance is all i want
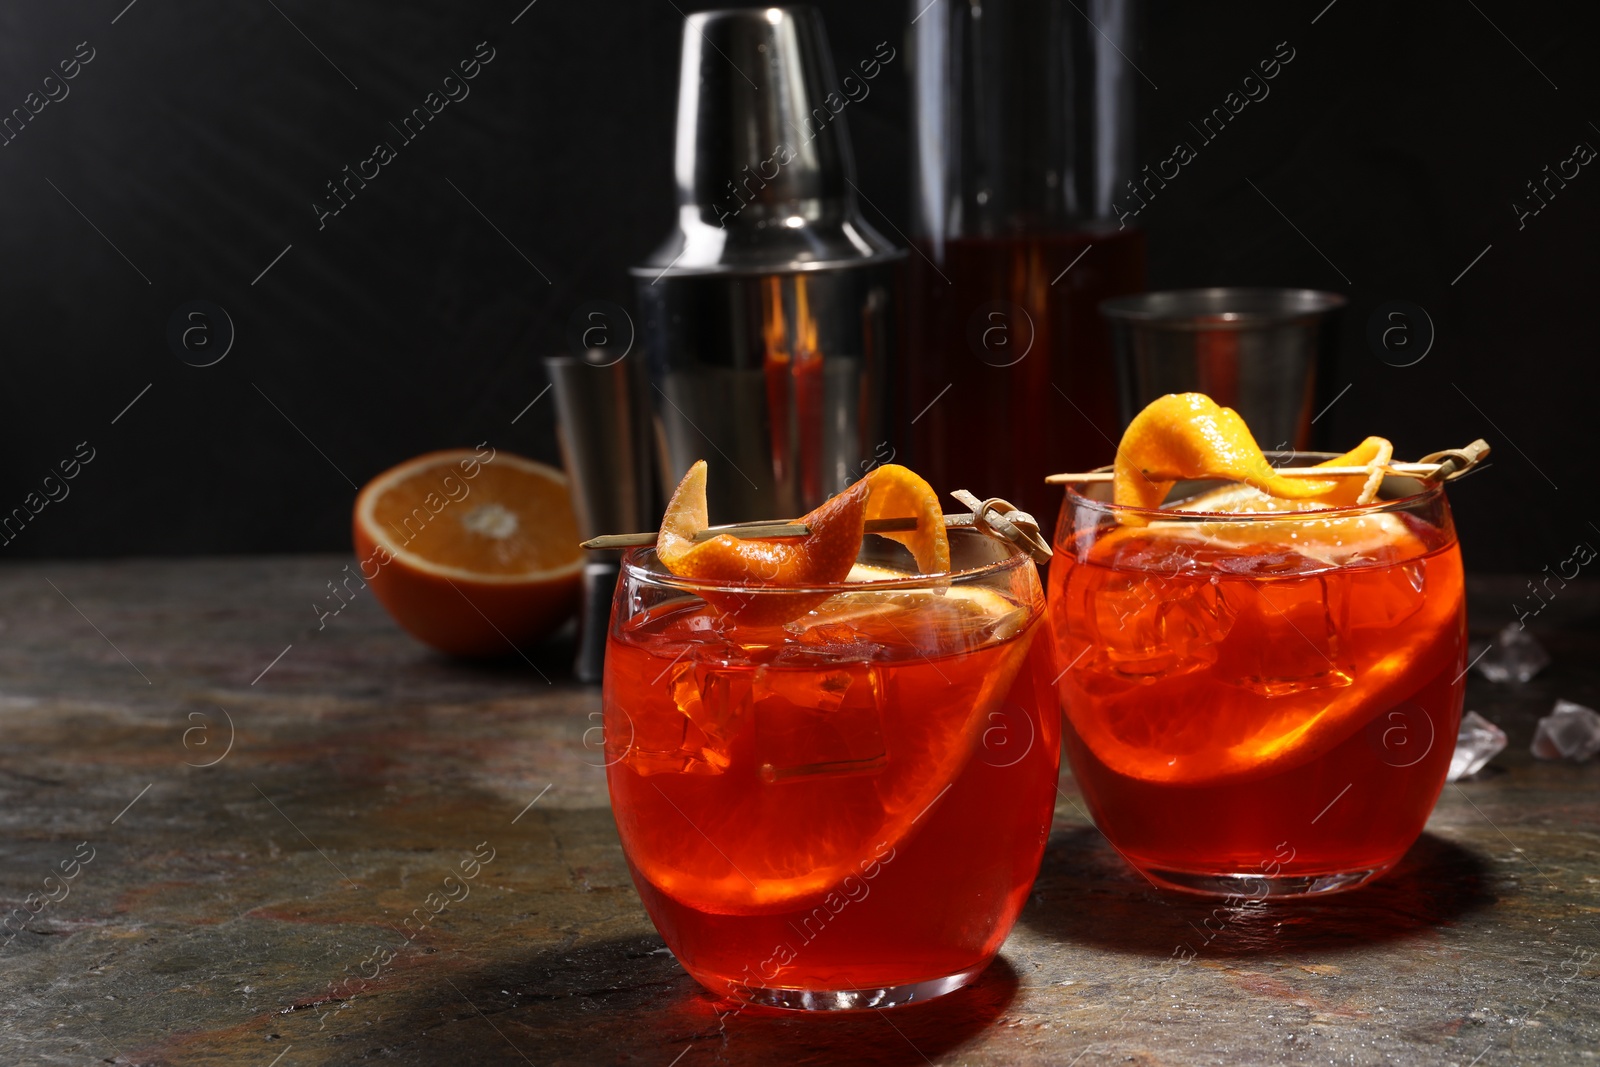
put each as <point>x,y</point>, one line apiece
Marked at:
<point>1023,132</point>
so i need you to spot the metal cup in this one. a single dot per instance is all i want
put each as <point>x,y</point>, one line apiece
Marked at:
<point>1253,350</point>
<point>606,452</point>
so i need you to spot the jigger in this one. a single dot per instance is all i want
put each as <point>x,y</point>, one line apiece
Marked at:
<point>606,451</point>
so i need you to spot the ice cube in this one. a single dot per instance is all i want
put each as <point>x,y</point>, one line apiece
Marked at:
<point>1288,640</point>
<point>658,745</point>
<point>1378,598</point>
<point>829,643</point>
<point>1479,742</point>
<point>811,722</point>
<point>1262,562</point>
<point>837,629</point>
<point>1160,557</point>
<point>713,702</point>
<point>1514,657</point>
<point>1147,626</point>
<point>1571,731</point>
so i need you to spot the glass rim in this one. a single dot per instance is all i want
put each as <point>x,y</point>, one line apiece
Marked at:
<point>1222,307</point>
<point>1429,491</point>
<point>633,565</point>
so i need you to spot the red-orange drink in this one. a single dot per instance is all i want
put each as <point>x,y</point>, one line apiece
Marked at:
<point>1261,704</point>
<point>845,810</point>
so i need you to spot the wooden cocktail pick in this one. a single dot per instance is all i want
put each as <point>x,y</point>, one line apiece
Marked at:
<point>762,530</point>
<point>1452,463</point>
<point>1448,465</point>
<point>994,516</point>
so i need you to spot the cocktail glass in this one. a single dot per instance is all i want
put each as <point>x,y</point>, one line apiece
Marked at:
<point>845,810</point>
<point>1260,704</point>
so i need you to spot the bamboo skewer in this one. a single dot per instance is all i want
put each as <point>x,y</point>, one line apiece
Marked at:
<point>1449,464</point>
<point>763,531</point>
<point>1416,470</point>
<point>993,516</point>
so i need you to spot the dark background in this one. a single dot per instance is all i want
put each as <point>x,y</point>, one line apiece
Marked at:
<point>200,135</point>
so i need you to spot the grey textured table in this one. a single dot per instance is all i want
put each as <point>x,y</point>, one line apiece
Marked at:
<point>250,911</point>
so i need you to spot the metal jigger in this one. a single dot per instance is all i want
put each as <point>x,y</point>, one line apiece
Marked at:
<point>768,315</point>
<point>600,423</point>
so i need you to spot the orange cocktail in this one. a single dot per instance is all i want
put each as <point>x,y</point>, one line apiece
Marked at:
<point>843,808</point>
<point>1261,699</point>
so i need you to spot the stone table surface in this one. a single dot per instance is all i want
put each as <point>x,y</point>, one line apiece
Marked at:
<point>247,804</point>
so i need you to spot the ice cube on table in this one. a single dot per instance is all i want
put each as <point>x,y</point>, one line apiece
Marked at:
<point>1478,742</point>
<point>1571,732</point>
<point>1514,657</point>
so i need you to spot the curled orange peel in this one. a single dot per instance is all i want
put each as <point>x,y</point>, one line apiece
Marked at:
<point>1190,436</point>
<point>894,491</point>
<point>823,557</point>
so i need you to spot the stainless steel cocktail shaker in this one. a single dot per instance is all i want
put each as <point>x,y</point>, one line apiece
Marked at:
<point>768,317</point>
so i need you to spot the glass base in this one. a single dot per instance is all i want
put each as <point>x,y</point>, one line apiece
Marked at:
<point>853,999</point>
<point>1259,886</point>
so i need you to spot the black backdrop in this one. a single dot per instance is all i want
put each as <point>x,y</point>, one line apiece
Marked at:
<point>186,155</point>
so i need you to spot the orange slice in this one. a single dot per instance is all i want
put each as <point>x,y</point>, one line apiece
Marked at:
<point>823,558</point>
<point>1188,435</point>
<point>1186,728</point>
<point>826,769</point>
<point>474,553</point>
<point>895,492</point>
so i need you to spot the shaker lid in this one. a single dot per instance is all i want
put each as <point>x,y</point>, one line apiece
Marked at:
<point>765,179</point>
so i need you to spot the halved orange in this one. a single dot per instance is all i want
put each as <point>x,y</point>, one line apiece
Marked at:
<point>473,552</point>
